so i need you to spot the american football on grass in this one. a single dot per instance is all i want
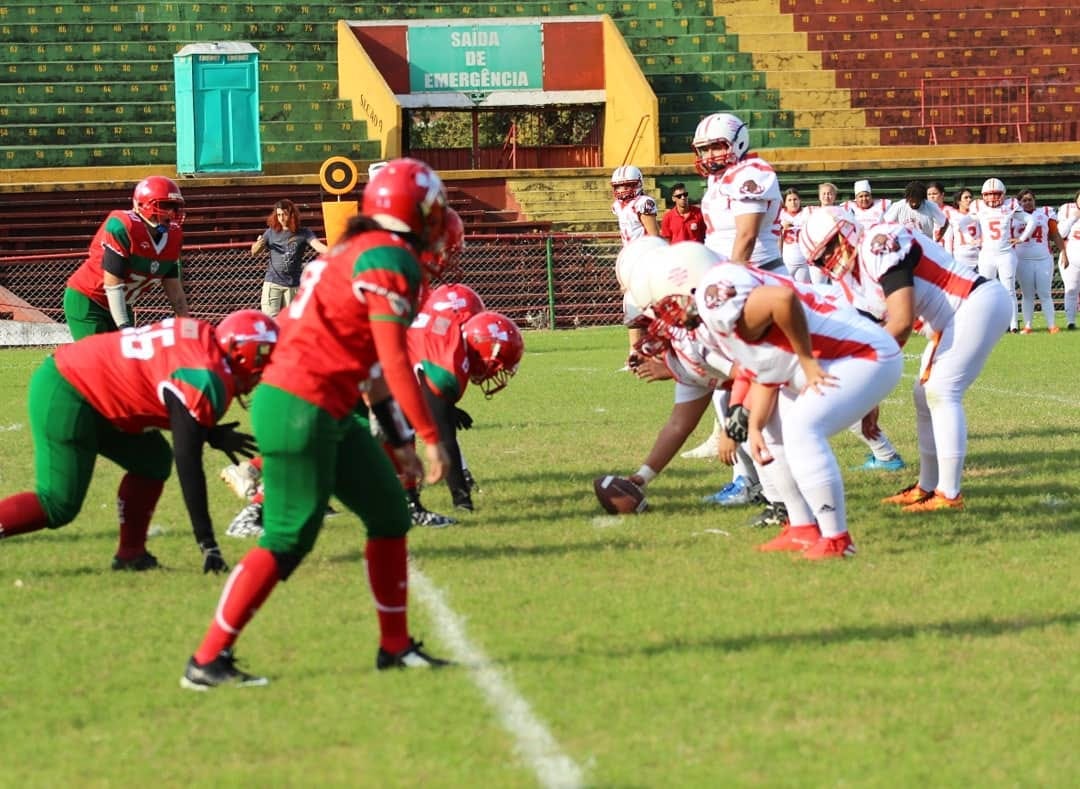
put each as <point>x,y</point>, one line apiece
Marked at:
<point>618,495</point>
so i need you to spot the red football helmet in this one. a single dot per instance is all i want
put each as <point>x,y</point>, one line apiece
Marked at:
<point>247,338</point>
<point>627,183</point>
<point>495,349</point>
<point>445,261</point>
<point>406,196</point>
<point>459,298</point>
<point>158,200</point>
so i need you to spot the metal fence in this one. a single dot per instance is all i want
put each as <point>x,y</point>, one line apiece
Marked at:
<point>540,280</point>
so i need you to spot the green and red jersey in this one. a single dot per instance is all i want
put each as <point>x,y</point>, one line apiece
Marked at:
<point>124,375</point>
<point>360,295</point>
<point>148,261</point>
<point>437,346</point>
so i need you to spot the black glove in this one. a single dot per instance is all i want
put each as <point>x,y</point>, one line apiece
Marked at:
<point>232,442</point>
<point>464,420</point>
<point>213,561</point>
<point>737,424</point>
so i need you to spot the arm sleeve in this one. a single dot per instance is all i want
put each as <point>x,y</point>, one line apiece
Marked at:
<point>390,346</point>
<point>188,439</point>
<point>902,275</point>
<point>442,410</point>
<point>115,263</point>
<point>117,304</point>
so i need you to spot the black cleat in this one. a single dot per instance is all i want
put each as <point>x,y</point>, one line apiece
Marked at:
<point>146,561</point>
<point>773,515</point>
<point>221,670</point>
<point>425,517</point>
<point>412,657</point>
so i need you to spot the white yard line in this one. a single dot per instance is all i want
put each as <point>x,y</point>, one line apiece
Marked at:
<point>1027,395</point>
<point>533,742</point>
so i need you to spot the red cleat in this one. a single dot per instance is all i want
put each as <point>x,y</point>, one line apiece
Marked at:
<point>837,547</point>
<point>792,538</point>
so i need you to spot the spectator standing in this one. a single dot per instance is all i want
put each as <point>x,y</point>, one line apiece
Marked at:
<point>1035,262</point>
<point>935,193</point>
<point>684,221</point>
<point>288,242</point>
<point>866,210</point>
<point>130,251</point>
<point>915,211</point>
<point>962,238</point>
<point>792,216</point>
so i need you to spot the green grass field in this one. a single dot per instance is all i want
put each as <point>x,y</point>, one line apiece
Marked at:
<point>651,651</point>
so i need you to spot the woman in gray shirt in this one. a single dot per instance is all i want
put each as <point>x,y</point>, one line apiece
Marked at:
<point>288,243</point>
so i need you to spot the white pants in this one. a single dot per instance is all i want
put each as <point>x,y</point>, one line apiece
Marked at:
<point>995,264</point>
<point>950,363</point>
<point>1071,278</point>
<point>1034,276</point>
<point>804,470</point>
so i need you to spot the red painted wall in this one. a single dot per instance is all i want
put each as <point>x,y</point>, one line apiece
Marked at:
<point>573,56</point>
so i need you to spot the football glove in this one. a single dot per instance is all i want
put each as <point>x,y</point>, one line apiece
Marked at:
<point>737,424</point>
<point>213,561</point>
<point>232,442</point>
<point>464,419</point>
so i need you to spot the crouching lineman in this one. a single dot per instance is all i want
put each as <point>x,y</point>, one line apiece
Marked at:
<point>111,395</point>
<point>901,276</point>
<point>817,366</point>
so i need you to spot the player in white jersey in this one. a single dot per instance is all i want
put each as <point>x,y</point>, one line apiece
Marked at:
<point>1001,223</point>
<point>904,277</point>
<point>962,239</point>
<point>866,210</point>
<point>792,216</point>
<point>634,209</point>
<point>816,366</point>
<point>915,211</point>
<point>742,199</point>
<point>1035,262</point>
<point>1069,227</point>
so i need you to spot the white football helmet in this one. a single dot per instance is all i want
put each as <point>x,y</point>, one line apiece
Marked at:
<point>627,182</point>
<point>673,278</point>
<point>993,192</point>
<point>720,127</point>
<point>821,228</point>
<point>638,250</point>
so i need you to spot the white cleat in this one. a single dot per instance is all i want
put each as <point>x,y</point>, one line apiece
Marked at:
<point>243,479</point>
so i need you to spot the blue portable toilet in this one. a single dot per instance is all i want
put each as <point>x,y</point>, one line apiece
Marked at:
<point>217,108</point>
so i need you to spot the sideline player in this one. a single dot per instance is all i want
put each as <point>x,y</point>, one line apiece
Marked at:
<point>348,322</point>
<point>130,251</point>
<point>111,395</point>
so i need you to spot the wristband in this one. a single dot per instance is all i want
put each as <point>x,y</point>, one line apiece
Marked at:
<point>395,427</point>
<point>647,474</point>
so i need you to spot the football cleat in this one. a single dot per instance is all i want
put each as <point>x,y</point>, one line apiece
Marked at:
<point>221,670</point>
<point>837,547</point>
<point>709,448</point>
<point>247,523</point>
<point>146,561</point>
<point>909,495</point>
<point>735,494</point>
<point>938,501</point>
<point>425,517</point>
<point>410,657</point>
<point>1054,330</point>
<point>895,463</point>
<point>242,479</point>
<point>470,481</point>
<point>792,538</point>
<point>774,514</point>
<point>1026,330</point>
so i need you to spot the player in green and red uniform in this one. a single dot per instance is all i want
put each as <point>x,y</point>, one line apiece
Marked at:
<point>343,334</point>
<point>111,395</point>
<point>130,251</point>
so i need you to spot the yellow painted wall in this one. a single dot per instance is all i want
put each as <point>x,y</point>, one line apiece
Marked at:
<point>627,138</point>
<point>373,101</point>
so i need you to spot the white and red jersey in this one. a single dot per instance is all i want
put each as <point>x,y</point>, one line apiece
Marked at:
<point>791,226</point>
<point>1067,217</point>
<point>836,330</point>
<point>1034,244</point>
<point>692,363</point>
<point>1000,226</point>
<point>748,187</point>
<point>963,238</point>
<point>940,283</point>
<point>868,217</point>
<point>629,215</point>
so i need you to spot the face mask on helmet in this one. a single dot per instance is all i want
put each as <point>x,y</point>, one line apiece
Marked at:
<point>407,197</point>
<point>627,183</point>
<point>720,141</point>
<point>495,348</point>
<point>821,239</point>
<point>444,263</point>
<point>158,200</point>
<point>993,192</point>
<point>673,279</point>
<point>247,338</point>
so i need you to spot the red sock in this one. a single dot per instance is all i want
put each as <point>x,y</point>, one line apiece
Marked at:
<point>21,514</point>
<point>135,503</point>
<point>248,586</point>
<point>388,575</point>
